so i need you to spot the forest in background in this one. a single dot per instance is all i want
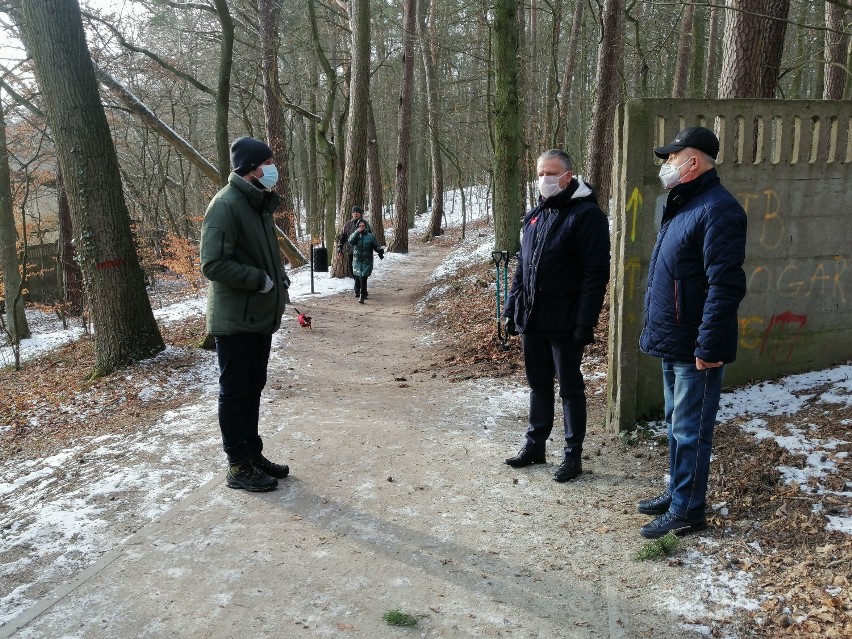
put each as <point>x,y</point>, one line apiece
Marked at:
<point>374,102</point>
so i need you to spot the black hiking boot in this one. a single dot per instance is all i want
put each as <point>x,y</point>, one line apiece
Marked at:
<point>656,505</point>
<point>569,469</point>
<point>671,523</point>
<point>279,471</point>
<point>248,477</point>
<point>525,457</point>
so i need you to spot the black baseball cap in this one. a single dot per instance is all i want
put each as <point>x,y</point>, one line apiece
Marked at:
<point>696,137</point>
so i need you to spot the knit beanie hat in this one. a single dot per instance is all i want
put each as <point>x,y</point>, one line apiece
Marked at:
<point>247,154</point>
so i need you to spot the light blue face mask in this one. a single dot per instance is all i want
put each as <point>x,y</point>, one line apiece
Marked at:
<point>269,177</point>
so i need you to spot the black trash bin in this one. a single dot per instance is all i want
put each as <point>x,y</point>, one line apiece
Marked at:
<point>320,259</point>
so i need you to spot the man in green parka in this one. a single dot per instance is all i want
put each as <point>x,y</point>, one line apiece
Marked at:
<point>245,300</point>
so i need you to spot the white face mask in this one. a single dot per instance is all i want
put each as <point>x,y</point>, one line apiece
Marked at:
<point>269,177</point>
<point>548,185</point>
<point>670,174</point>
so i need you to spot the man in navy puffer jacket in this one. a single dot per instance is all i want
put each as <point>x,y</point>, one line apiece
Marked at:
<point>695,284</point>
<point>554,302</point>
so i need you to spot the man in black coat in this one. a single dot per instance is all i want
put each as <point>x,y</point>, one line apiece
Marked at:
<point>554,303</point>
<point>343,245</point>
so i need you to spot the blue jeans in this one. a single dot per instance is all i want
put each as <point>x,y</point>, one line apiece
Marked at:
<point>691,403</point>
<point>543,358</point>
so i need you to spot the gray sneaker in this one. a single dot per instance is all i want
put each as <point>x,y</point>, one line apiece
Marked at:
<point>248,477</point>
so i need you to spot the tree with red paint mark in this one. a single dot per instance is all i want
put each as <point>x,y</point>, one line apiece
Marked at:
<point>125,328</point>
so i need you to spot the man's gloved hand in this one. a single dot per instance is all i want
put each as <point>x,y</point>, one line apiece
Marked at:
<point>267,285</point>
<point>381,253</point>
<point>511,329</point>
<point>583,335</point>
<point>285,281</point>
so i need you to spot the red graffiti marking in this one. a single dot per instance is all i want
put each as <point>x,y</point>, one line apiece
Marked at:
<point>780,323</point>
<point>108,264</point>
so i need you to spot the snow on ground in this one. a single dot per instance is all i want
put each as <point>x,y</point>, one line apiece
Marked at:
<point>70,529</point>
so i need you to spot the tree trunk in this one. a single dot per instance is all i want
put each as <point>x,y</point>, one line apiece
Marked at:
<point>508,199</point>
<point>432,106</point>
<point>551,96</point>
<point>742,50</point>
<point>710,78</point>
<point>799,54</point>
<point>610,53</point>
<point>374,178</point>
<point>71,276</point>
<point>681,74</point>
<point>774,31</point>
<point>354,172</point>
<point>325,148</point>
<point>16,320</point>
<point>700,19</point>
<point>125,329</point>
<point>268,16</point>
<point>420,164</point>
<point>223,89</point>
<point>399,244</point>
<point>836,45</point>
<point>561,136</point>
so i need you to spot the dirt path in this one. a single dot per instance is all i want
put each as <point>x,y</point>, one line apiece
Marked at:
<point>398,500</point>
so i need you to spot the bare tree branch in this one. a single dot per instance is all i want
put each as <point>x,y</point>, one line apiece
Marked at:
<point>150,54</point>
<point>136,106</point>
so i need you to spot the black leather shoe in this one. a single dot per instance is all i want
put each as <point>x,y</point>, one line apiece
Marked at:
<point>569,469</point>
<point>656,505</point>
<point>248,477</point>
<point>671,523</point>
<point>525,457</point>
<point>279,471</point>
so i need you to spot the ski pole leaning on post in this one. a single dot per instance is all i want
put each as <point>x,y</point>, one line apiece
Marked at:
<point>497,258</point>
<point>504,258</point>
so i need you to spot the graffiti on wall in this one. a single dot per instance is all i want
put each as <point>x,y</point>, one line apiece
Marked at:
<point>804,280</point>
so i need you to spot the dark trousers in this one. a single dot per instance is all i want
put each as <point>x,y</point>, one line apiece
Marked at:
<point>349,257</point>
<point>361,284</point>
<point>242,375</point>
<point>544,358</point>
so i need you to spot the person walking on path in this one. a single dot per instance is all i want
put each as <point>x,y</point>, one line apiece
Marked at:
<point>245,300</point>
<point>695,285</point>
<point>363,243</point>
<point>346,232</point>
<point>554,303</point>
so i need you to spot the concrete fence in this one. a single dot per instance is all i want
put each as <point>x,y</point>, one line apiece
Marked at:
<point>789,163</point>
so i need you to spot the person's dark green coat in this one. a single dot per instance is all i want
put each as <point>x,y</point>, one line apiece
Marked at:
<point>363,245</point>
<point>238,250</point>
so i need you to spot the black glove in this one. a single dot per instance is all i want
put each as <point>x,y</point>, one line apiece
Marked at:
<point>583,335</point>
<point>286,281</point>
<point>381,253</point>
<point>511,329</point>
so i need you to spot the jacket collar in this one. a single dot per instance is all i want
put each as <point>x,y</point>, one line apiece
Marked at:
<point>261,200</point>
<point>576,189</point>
<point>682,193</point>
